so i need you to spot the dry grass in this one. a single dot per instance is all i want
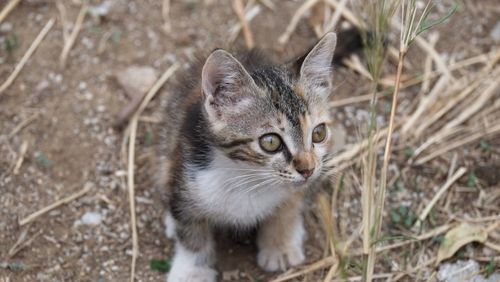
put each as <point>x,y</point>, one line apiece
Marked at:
<point>453,108</point>
<point>27,56</point>
<point>70,39</point>
<point>131,134</point>
<point>435,89</point>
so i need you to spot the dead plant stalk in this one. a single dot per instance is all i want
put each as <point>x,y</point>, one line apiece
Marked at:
<point>380,199</point>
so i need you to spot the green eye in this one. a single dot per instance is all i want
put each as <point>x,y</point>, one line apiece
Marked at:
<point>271,143</point>
<point>319,133</point>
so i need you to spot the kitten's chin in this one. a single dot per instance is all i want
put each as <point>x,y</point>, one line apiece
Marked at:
<point>301,183</point>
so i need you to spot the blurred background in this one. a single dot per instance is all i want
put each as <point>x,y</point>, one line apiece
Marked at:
<point>73,73</point>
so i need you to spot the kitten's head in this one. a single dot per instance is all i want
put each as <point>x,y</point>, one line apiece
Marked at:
<point>273,118</point>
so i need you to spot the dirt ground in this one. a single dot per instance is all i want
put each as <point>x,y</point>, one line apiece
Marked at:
<point>67,115</point>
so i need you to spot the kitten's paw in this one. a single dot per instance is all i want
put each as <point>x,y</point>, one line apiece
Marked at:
<point>192,274</point>
<point>169,225</point>
<point>280,259</point>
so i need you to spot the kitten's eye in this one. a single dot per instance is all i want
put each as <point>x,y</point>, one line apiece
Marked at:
<point>319,133</point>
<point>271,143</point>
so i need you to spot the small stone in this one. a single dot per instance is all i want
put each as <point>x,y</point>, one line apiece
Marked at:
<point>82,85</point>
<point>87,42</point>
<point>495,32</point>
<point>91,218</point>
<point>462,270</point>
<point>42,85</point>
<point>6,27</point>
<point>136,80</point>
<point>101,9</point>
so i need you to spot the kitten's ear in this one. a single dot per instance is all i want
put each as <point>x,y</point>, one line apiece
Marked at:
<point>316,69</point>
<point>226,84</point>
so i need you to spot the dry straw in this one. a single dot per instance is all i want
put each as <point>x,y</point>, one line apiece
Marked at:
<point>132,132</point>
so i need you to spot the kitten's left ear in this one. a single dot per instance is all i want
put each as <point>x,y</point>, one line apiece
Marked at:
<point>316,70</point>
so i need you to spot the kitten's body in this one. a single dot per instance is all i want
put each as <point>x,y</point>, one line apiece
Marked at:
<point>217,162</point>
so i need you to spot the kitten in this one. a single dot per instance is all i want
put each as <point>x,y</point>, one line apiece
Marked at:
<point>240,149</point>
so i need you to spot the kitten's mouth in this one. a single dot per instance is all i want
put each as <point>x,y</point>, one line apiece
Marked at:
<point>301,182</point>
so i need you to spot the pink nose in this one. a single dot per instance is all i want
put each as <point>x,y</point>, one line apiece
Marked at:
<point>306,173</point>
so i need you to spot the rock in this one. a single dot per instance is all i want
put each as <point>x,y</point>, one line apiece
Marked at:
<point>136,80</point>
<point>101,9</point>
<point>42,85</point>
<point>6,27</point>
<point>495,32</point>
<point>90,218</point>
<point>462,270</point>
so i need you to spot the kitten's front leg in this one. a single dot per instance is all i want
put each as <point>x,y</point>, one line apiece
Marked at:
<point>280,238</point>
<point>194,253</point>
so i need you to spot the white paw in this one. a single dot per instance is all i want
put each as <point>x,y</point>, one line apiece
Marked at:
<point>169,225</point>
<point>280,259</point>
<point>192,274</point>
<point>188,266</point>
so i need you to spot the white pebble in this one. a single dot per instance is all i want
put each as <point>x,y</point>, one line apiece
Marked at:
<point>91,218</point>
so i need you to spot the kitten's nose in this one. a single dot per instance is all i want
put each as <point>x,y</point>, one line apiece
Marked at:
<point>306,172</point>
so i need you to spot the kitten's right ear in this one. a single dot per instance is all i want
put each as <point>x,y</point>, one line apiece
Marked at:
<point>226,84</point>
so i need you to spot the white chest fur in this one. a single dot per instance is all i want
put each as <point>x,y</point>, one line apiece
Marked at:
<point>234,193</point>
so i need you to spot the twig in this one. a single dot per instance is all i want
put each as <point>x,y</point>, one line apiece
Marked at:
<point>64,19</point>
<point>128,111</point>
<point>478,103</point>
<point>326,262</point>
<point>354,150</point>
<point>431,234</point>
<point>424,104</point>
<point>23,124</point>
<point>353,100</point>
<point>419,266</point>
<point>283,39</point>
<point>131,195</point>
<point>440,64</point>
<point>433,39</point>
<point>453,165</point>
<point>249,15</point>
<point>165,11</point>
<point>247,32</point>
<point>492,246</point>
<point>481,219</point>
<point>101,47</point>
<point>22,152</point>
<point>74,34</point>
<point>331,272</point>
<point>355,64</point>
<point>336,16</point>
<point>380,195</point>
<point>8,8</point>
<point>269,4</point>
<point>48,208</point>
<point>27,55</point>
<point>360,278</point>
<point>429,120</point>
<point>461,142</point>
<point>19,246</point>
<point>436,138</point>
<point>348,15</point>
<point>461,171</point>
<point>131,156</point>
<point>20,239</point>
